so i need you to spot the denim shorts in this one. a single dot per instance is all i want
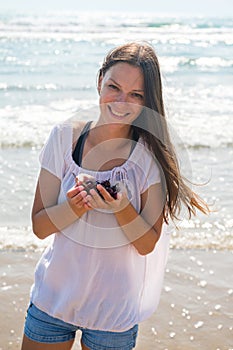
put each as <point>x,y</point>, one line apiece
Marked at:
<point>42,328</point>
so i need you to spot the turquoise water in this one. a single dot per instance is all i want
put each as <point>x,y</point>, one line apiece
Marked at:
<point>48,69</point>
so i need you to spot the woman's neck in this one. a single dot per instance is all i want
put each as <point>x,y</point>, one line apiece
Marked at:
<point>118,133</point>
<point>106,146</point>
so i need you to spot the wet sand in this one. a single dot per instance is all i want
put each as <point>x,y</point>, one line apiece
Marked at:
<point>195,311</point>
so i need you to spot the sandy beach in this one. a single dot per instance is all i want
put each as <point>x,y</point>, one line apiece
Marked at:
<point>195,311</point>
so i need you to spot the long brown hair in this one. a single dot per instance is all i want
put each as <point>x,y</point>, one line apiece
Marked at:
<point>151,126</point>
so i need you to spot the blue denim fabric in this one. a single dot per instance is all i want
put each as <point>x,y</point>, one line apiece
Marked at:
<point>43,328</point>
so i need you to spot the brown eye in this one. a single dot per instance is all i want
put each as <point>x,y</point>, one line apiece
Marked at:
<point>138,96</point>
<point>114,87</point>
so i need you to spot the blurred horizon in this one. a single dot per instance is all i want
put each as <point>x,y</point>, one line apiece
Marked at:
<point>207,8</point>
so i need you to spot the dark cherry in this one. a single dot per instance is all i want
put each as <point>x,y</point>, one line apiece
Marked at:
<point>112,190</point>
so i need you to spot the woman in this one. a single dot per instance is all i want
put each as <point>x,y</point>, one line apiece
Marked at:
<point>103,272</point>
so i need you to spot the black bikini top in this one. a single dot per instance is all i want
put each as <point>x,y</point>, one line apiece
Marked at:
<point>78,151</point>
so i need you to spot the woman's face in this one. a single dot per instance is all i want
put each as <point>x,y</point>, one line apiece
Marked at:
<point>121,93</point>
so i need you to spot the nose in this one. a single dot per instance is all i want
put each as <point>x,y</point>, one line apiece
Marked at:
<point>121,97</point>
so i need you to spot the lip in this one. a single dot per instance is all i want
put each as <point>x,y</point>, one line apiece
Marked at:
<point>116,114</point>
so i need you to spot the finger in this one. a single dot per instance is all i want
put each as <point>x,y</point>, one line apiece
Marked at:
<point>72,192</point>
<point>94,196</point>
<point>80,188</point>
<point>104,193</point>
<point>95,201</point>
<point>79,199</point>
<point>99,199</point>
<point>88,206</point>
<point>90,202</point>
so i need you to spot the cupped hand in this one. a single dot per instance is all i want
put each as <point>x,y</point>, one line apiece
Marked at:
<point>76,197</point>
<point>107,202</point>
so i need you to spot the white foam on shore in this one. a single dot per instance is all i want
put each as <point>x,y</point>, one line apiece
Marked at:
<point>190,235</point>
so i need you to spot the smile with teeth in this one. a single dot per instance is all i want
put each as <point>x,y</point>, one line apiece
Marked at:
<point>118,114</point>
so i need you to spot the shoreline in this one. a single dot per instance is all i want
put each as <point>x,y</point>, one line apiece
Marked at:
<point>195,309</point>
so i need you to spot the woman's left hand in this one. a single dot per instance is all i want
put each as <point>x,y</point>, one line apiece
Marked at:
<point>94,200</point>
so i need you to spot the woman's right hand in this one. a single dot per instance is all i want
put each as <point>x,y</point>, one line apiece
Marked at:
<point>47,215</point>
<point>76,198</point>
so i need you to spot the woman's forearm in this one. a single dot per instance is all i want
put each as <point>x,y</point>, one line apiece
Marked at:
<point>54,219</point>
<point>141,234</point>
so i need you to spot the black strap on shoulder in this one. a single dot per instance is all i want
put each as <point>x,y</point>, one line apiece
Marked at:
<point>135,138</point>
<point>78,151</point>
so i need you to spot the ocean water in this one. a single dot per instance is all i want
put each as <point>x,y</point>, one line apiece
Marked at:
<point>48,69</point>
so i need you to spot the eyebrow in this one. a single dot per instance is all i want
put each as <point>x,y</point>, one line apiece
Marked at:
<point>138,90</point>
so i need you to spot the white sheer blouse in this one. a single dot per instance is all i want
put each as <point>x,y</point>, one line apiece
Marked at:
<point>91,275</point>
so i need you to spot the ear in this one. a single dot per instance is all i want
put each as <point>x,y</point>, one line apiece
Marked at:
<point>100,83</point>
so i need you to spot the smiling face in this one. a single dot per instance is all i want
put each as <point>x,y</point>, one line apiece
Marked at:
<point>121,92</point>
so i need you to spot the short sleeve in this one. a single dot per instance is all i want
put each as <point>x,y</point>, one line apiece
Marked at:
<point>150,172</point>
<point>52,154</point>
